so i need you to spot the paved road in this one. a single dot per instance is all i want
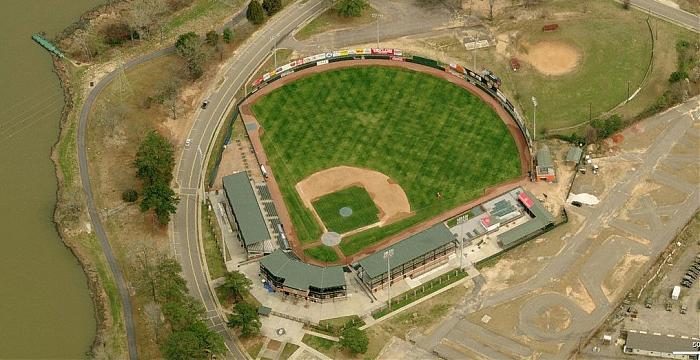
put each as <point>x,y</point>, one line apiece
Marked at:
<point>189,177</point>
<point>678,16</point>
<point>89,196</point>
<point>92,209</point>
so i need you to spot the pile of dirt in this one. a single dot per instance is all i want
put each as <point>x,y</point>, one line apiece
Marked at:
<point>552,57</point>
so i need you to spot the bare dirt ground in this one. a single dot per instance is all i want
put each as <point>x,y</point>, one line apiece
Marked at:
<point>555,318</point>
<point>552,57</point>
<point>387,195</point>
<point>627,265</point>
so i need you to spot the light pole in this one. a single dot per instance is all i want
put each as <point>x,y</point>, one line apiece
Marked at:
<point>460,239</point>
<point>274,48</point>
<point>387,255</point>
<point>534,119</point>
<point>377,16</point>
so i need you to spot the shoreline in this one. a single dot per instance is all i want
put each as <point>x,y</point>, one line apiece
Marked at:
<point>96,288</point>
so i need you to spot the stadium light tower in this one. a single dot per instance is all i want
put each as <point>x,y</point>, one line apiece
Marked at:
<point>534,118</point>
<point>273,38</point>
<point>387,255</point>
<point>377,16</point>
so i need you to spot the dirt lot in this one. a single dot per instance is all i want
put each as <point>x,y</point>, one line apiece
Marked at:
<point>552,57</point>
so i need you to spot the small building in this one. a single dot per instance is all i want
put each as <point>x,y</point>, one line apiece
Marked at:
<point>290,276</point>
<point>540,220</point>
<point>504,210</point>
<point>414,255</point>
<point>545,167</point>
<point>490,223</point>
<point>573,156</point>
<point>657,345</point>
<point>246,214</point>
<point>676,292</point>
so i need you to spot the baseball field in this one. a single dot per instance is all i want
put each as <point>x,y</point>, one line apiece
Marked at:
<point>419,136</point>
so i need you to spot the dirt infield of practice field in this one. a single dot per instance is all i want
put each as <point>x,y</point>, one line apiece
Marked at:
<point>255,132</point>
<point>389,197</point>
<point>552,57</point>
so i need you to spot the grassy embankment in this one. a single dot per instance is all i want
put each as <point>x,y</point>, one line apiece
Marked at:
<point>426,134</point>
<point>419,318</point>
<point>330,20</point>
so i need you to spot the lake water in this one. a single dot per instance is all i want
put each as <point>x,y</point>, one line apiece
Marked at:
<point>45,308</point>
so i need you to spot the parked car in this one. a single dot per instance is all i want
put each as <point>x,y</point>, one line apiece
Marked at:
<point>205,104</point>
<point>684,308</point>
<point>686,283</point>
<point>669,306</point>
<point>576,203</point>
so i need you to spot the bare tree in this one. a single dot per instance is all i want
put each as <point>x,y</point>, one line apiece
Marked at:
<point>491,3</point>
<point>155,318</point>
<point>169,95</point>
<point>145,261</point>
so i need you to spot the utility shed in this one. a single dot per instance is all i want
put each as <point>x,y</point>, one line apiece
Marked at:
<point>541,219</point>
<point>573,156</point>
<point>248,217</point>
<point>545,166</point>
<point>291,276</point>
<point>657,345</point>
<point>414,254</point>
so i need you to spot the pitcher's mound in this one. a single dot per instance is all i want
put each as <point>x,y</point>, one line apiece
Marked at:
<point>552,57</point>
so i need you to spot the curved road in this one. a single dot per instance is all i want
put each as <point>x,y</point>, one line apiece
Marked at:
<point>189,177</point>
<point>185,236</point>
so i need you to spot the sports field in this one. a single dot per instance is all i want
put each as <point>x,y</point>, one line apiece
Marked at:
<point>346,210</point>
<point>424,133</point>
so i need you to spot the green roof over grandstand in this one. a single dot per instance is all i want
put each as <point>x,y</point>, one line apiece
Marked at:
<point>542,218</point>
<point>408,249</point>
<point>244,204</point>
<point>302,276</point>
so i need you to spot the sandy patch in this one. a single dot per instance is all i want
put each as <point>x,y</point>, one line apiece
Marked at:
<point>584,198</point>
<point>387,195</point>
<point>552,57</point>
<point>554,319</point>
<point>625,269</point>
<point>580,296</point>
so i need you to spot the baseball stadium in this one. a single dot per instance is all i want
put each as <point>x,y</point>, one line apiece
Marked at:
<point>370,150</point>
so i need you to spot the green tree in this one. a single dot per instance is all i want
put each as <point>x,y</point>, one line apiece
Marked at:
<point>607,127</point>
<point>677,76</point>
<point>350,8</point>
<point>194,342</point>
<point>155,159</point>
<point>227,35</point>
<point>183,312</point>
<point>236,284</point>
<point>130,195</point>
<point>255,12</point>
<point>212,38</point>
<point>170,286</point>
<point>161,198</point>
<point>272,6</point>
<point>246,318</point>
<point>354,339</point>
<point>189,47</point>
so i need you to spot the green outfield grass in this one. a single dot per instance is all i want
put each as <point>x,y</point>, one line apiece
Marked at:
<point>322,252</point>
<point>423,132</point>
<point>364,211</point>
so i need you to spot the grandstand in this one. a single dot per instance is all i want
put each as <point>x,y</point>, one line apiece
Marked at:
<point>288,275</point>
<point>246,214</point>
<point>412,256</point>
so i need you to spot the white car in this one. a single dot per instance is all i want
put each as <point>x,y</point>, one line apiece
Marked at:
<point>188,142</point>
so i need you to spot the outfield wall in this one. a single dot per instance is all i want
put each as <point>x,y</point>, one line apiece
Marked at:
<point>487,82</point>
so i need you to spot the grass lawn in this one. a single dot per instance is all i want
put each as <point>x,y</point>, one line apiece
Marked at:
<point>288,350</point>
<point>327,347</point>
<point>212,246</point>
<point>322,252</point>
<point>426,289</point>
<point>364,211</point>
<point>330,20</point>
<point>605,67</point>
<point>423,132</point>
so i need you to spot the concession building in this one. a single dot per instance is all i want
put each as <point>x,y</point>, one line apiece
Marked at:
<point>541,220</point>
